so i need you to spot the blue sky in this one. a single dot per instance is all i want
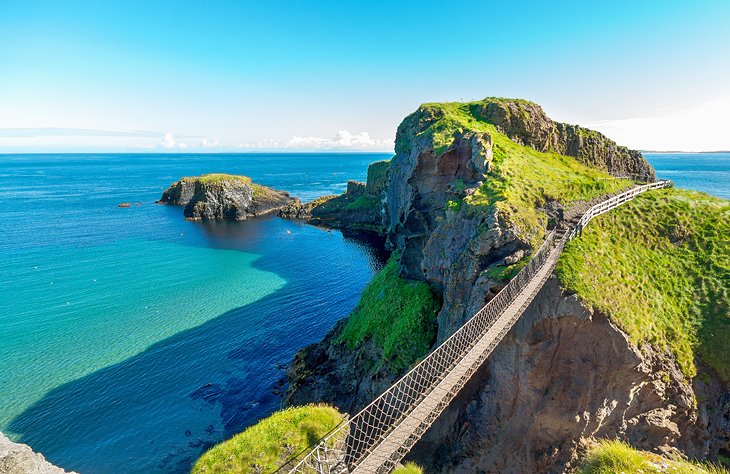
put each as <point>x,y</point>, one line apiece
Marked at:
<point>222,76</point>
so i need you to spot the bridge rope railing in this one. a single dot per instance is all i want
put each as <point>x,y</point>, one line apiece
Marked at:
<point>343,448</point>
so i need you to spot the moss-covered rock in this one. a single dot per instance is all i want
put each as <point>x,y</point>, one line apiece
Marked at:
<point>613,456</point>
<point>471,191</point>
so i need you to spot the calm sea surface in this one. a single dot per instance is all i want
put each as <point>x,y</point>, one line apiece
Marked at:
<point>708,172</point>
<point>131,339</point>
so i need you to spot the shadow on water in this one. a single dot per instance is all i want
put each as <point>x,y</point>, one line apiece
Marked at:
<point>157,411</point>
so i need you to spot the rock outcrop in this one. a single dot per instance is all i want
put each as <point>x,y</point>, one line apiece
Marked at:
<point>564,372</point>
<point>358,209</point>
<point>224,197</point>
<point>16,458</point>
<point>527,124</point>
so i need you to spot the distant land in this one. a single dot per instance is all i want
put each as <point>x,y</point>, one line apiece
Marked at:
<point>679,151</point>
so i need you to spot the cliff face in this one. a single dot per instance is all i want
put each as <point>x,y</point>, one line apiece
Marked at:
<point>223,197</point>
<point>470,192</point>
<point>16,458</point>
<point>562,375</point>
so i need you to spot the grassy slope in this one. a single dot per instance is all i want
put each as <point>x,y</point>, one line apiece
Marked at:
<point>610,457</point>
<point>397,315</point>
<point>268,444</point>
<point>659,266</point>
<point>522,178</point>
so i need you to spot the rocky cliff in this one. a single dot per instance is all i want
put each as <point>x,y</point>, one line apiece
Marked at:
<point>563,375</point>
<point>527,124</point>
<point>223,197</point>
<point>16,458</point>
<point>358,209</point>
<point>471,191</point>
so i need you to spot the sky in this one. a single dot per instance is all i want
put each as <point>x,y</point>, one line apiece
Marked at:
<point>300,75</point>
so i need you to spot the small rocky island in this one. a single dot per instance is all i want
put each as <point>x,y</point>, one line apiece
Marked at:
<point>223,197</point>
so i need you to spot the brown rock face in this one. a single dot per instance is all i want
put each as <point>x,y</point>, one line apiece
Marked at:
<point>527,124</point>
<point>563,374</point>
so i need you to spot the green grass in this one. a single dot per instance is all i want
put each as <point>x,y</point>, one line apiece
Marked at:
<point>521,179</point>
<point>268,444</point>
<point>659,267</point>
<point>507,272</point>
<point>612,457</point>
<point>364,202</point>
<point>398,315</point>
<point>263,193</point>
<point>377,173</point>
<point>214,178</point>
<point>408,468</point>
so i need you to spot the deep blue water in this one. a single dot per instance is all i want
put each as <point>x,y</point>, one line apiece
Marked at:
<point>707,172</point>
<point>131,339</point>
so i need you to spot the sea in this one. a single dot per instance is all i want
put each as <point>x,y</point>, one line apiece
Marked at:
<point>131,339</point>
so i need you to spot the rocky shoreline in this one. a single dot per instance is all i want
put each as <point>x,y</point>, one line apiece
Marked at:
<point>16,458</point>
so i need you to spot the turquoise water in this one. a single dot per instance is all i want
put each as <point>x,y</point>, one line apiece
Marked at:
<point>131,339</point>
<point>708,172</point>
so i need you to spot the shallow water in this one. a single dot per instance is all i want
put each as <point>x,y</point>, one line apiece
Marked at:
<point>131,337</point>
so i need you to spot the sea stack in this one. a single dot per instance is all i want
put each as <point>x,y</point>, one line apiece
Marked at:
<point>223,197</point>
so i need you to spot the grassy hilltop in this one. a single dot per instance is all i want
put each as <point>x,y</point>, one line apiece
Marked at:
<point>659,267</point>
<point>521,178</point>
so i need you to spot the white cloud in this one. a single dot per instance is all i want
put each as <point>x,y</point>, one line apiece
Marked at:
<point>168,141</point>
<point>703,128</point>
<point>70,139</point>
<point>342,140</point>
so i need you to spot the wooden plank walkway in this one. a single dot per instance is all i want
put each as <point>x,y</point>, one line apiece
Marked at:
<point>434,403</point>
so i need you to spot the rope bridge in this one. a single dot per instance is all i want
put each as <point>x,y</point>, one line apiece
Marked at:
<point>377,438</point>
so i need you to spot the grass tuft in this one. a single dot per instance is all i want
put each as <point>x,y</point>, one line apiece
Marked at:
<point>408,468</point>
<point>611,457</point>
<point>266,445</point>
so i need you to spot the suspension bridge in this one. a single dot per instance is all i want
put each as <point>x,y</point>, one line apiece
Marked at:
<point>377,438</point>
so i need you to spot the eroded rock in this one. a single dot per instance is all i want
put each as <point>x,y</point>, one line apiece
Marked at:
<point>16,458</point>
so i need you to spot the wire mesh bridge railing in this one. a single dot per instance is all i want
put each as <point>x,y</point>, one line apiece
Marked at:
<point>378,437</point>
